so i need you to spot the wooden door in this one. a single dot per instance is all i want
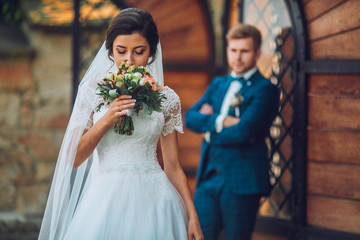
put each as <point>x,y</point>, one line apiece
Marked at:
<point>187,46</point>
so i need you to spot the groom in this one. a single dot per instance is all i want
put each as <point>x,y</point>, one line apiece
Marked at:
<point>234,114</point>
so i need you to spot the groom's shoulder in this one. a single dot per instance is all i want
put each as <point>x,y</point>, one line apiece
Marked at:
<point>219,79</point>
<point>262,80</point>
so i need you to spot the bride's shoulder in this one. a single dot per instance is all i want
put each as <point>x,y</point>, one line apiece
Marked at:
<point>169,92</point>
<point>171,98</point>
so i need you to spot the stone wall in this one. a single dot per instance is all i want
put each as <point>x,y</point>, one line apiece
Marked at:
<point>35,95</point>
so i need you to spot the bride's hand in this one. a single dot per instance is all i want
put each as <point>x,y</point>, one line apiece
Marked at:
<point>194,230</point>
<point>117,108</point>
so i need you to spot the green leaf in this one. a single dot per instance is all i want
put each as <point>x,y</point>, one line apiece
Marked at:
<point>99,107</point>
<point>150,109</point>
<point>157,108</point>
<point>123,90</point>
<point>145,108</point>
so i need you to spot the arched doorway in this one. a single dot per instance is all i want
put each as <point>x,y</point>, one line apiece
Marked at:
<point>282,61</point>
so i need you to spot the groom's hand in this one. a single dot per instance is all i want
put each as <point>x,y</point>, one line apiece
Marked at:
<point>230,121</point>
<point>206,109</point>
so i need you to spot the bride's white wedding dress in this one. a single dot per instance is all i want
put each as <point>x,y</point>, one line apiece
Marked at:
<point>131,197</point>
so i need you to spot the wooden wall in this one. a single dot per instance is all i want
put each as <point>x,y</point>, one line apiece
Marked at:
<point>333,175</point>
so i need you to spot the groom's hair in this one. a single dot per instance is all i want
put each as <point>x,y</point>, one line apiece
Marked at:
<point>245,31</point>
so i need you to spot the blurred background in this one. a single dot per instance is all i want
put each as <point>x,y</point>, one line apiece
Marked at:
<point>311,51</point>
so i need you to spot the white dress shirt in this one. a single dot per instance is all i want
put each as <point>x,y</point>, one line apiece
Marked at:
<point>234,87</point>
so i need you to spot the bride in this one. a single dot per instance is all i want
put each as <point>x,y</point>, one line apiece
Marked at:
<point>110,186</point>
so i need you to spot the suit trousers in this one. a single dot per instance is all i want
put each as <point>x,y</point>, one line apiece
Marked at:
<point>218,207</point>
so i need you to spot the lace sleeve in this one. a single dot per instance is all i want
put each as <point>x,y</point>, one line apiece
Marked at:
<point>90,122</point>
<point>171,108</point>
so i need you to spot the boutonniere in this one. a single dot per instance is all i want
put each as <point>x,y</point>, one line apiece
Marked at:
<point>236,102</point>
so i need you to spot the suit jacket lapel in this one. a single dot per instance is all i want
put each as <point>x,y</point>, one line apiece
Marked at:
<point>222,90</point>
<point>250,82</point>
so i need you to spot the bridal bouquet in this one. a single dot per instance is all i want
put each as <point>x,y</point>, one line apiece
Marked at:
<point>137,82</point>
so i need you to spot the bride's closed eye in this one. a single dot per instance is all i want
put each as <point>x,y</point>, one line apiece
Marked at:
<point>136,52</point>
<point>140,52</point>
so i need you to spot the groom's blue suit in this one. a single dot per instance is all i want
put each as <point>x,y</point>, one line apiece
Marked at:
<point>238,151</point>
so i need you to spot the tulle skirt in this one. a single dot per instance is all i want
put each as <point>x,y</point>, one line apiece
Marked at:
<point>130,206</point>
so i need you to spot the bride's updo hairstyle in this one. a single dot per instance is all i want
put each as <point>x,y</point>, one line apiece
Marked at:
<point>129,21</point>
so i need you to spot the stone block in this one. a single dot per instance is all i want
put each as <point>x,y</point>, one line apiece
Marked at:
<point>52,116</point>
<point>45,171</point>
<point>42,146</point>
<point>16,76</point>
<point>53,82</point>
<point>17,167</point>
<point>17,226</point>
<point>10,110</point>
<point>26,117</point>
<point>52,49</point>
<point>7,195</point>
<point>31,99</point>
<point>51,67</point>
<point>10,221</point>
<point>5,143</point>
<point>32,199</point>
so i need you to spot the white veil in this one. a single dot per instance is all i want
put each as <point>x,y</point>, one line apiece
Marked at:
<point>69,185</point>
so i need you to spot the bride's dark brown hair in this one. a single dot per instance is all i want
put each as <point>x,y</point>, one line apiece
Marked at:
<point>129,21</point>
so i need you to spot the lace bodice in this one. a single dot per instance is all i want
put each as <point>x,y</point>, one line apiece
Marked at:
<point>138,152</point>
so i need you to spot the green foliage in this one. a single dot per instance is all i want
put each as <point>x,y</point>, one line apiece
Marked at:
<point>10,12</point>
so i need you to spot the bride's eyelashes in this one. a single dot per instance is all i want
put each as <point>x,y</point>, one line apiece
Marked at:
<point>140,52</point>
<point>137,53</point>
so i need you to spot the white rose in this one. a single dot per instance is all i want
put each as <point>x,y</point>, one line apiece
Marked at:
<point>110,76</point>
<point>137,75</point>
<point>113,93</point>
<point>141,82</point>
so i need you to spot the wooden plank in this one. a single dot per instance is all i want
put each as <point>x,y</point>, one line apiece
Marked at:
<point>335,214</point>
<point>180,23</point>
<point>334,111</point>
<point>306,2</point>
<point>186,79</point>
<point>233,13</point>
<point>189,85</point>
<point>343,46</point>
<point>190,139</point>
<point>334,84</point>
<point>189,158</point>
<point>334,146</point>
<point>262,236</point>
<point>189,96</point>
<point>340,19</point>
<point>191,33</point>
<point>336,180</point>
<point>314,9</point>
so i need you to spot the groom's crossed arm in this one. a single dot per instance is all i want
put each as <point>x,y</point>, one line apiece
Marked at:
<point>254,121</point>
<point>201,117</point>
